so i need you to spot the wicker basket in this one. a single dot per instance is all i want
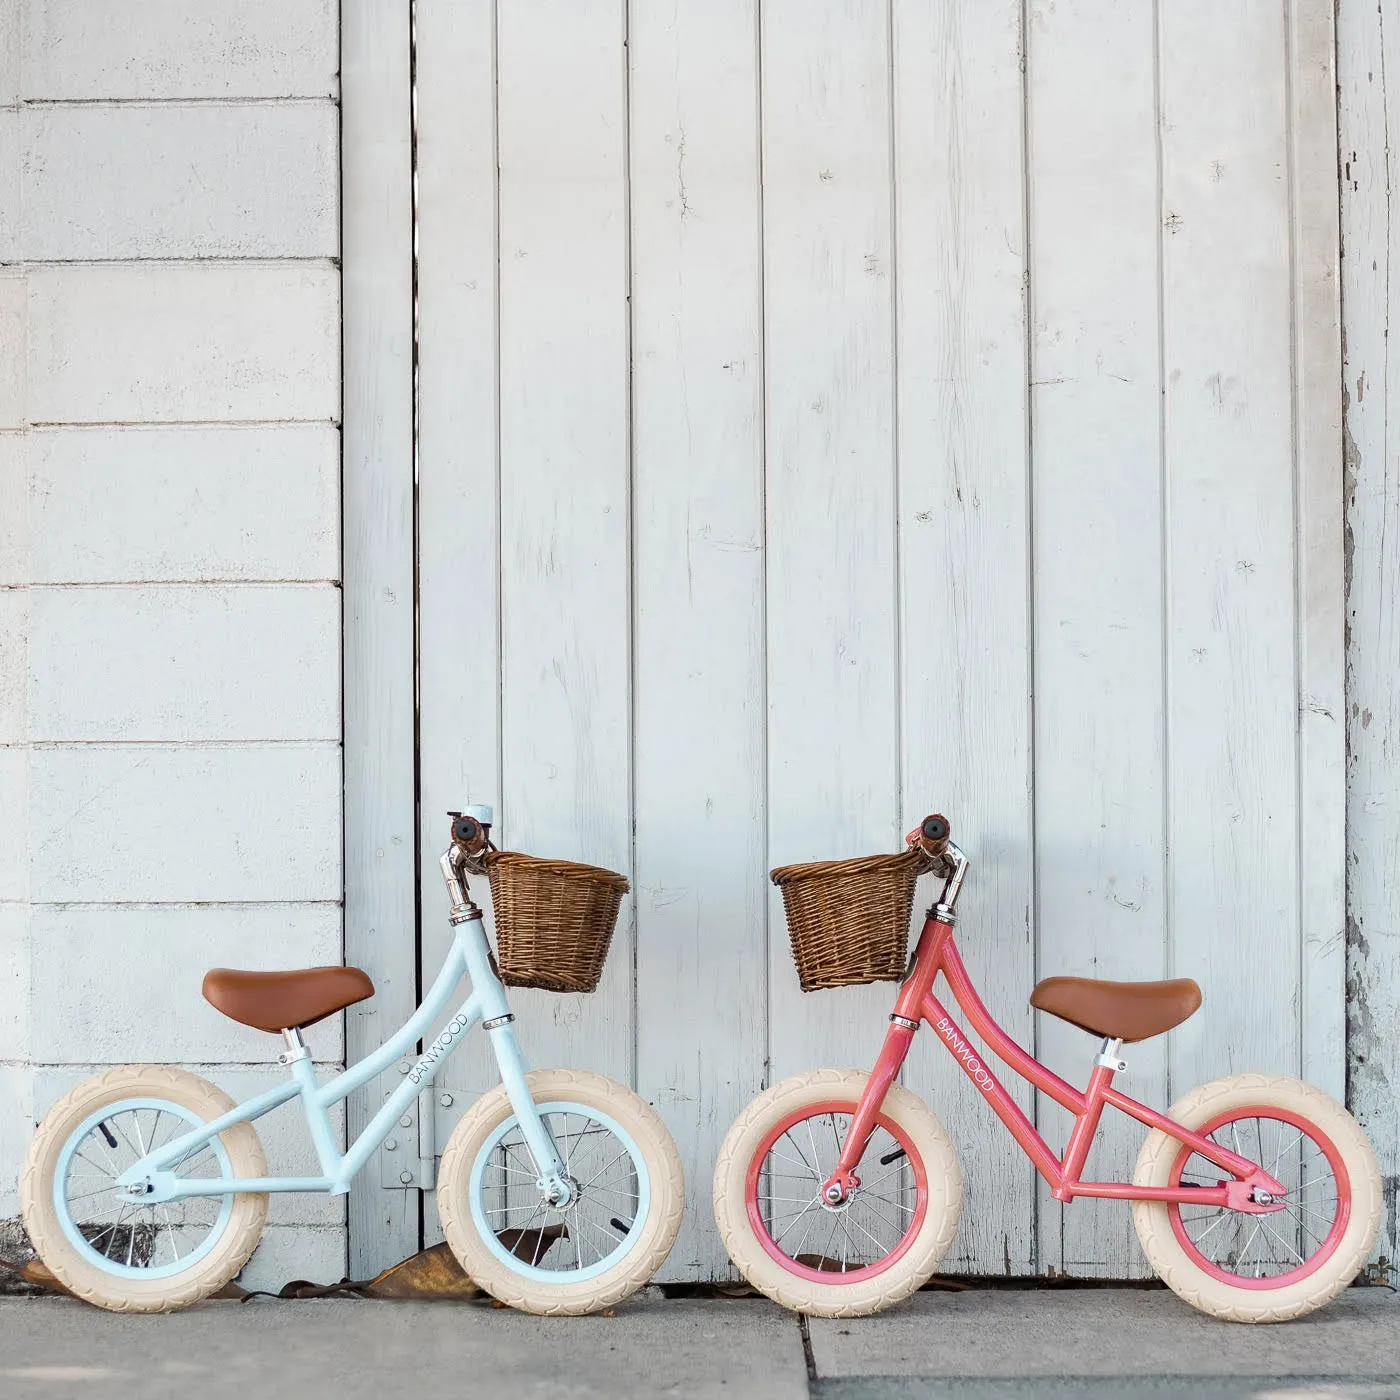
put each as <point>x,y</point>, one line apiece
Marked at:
<point>554,920</point>
<point>849,919</point>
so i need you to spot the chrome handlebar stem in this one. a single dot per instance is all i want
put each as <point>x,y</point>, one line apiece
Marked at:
<point>953,865</point>
<point>451,865</point>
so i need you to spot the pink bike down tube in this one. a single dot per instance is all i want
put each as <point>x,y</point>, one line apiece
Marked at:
<point>937,952</point>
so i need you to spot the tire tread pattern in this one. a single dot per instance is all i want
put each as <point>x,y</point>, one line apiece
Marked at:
<point>796,1294</point>
<point>86,1281</point>
<point>642,1261</point>
<point>1170,1260</point>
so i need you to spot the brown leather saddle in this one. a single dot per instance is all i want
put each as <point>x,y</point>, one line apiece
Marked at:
<point>1118,1010</point>
<point>278,1001</point>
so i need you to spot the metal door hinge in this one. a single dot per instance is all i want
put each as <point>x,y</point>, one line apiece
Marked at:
<point>408,1156</point>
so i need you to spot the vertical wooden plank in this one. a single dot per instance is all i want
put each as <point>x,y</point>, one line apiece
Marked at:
<point>1095,416</point>
<point>458,501</point>
<point>698,580</point>
<point>1317,386</point>
<point>566,725</point>
<point>832,628</point>
<point>377,251</point>
<point>960,229</point>
<point>1231,666</point>
<point>1367,51</point>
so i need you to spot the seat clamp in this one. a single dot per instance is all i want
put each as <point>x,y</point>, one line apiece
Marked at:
<point>1108,1057</point>
<point>498,1021</point>
<point>297,1048</point>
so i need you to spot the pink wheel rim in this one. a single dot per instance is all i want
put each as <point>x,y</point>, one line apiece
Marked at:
<point>1306,1232</point>
<point>756,1189</point>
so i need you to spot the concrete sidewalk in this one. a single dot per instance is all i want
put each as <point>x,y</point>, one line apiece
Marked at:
<point>990,1344</point>
<point>986,1345</point>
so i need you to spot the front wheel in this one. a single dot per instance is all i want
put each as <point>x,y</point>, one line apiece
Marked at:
<point>1247,1267</point>
<point>878,1245</point>
<point>607,1240</point>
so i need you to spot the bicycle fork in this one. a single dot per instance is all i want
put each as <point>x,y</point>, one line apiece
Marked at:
<point>904,1021</point>
<point>498,1021</point>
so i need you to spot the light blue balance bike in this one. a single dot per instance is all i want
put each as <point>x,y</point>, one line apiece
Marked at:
<point>560,1191</point>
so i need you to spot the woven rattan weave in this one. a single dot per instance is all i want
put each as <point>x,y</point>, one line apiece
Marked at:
<point>849,919</point>
<point>554,920</point>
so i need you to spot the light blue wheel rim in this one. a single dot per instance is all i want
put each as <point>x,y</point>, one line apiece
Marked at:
<point>547,1216</point>
<point>72,1230</point>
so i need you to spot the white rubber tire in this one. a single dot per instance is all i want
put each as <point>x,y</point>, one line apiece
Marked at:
<point>1174,1264</point>
<point>81,1276</point>
<point>861,1297</point>
<point>637,1266</point>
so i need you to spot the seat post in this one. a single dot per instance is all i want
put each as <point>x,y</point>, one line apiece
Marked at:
<point>1108,1056</point>
<point>296,1047</point>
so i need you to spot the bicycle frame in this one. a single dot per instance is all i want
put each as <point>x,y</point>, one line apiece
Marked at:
<point>937,952</point>
<point>468,957</point>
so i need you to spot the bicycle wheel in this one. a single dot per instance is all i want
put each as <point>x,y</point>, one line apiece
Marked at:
<point>110,1247</point>
<point>601,1245</point>
<point>882,1242</point>
<point>1262,1268</point>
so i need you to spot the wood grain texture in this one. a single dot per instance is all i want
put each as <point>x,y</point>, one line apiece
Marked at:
<point>833,741</point>
<point>184,822</point>
<point>964,559</point>
<point>159,342</point>
<point>1368,50</point>
<point>76,948</point>
<point>459,550</point>
<point>1231,656</point>
<point>180,181</point>
<point>1098,570</point>
<point>175,504</point>
<point>380,869</point>
<point>75,50</point>
<point>827,415</point>
<point>1320,551</point>
<point>565,468</point>
<point>215,662</point>
<point>701,875</point>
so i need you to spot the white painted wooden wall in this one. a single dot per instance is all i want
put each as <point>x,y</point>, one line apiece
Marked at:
<point>1368,44</point>
<point>1076,371</point>
<point>170,771</point>
<point>830,411</point>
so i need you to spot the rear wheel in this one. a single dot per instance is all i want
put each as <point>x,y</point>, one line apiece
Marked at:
<point>102,1241</point>
<point>878,1245</point>
<point>1246,1267</point>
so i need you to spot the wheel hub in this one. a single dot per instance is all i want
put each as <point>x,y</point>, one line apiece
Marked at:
<point>560,1193</point>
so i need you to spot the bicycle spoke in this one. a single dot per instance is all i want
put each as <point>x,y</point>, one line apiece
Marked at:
<point>796,1147</point>
<point>811,1173</point>
<point>1223,1216</point>
<point>599,1173</point>
<point>1264,1221</point>
<point>1278,1156</point>
<point>893,1224</point>
<point>804,1211</point>
<point>1244,1253</point>
<point>880,1249</point>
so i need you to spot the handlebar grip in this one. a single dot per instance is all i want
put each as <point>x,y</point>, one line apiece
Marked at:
<point>467,832</point>
<point>931,836</point>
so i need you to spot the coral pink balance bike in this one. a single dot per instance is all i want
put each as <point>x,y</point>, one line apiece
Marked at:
<point>1257,1198</point>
